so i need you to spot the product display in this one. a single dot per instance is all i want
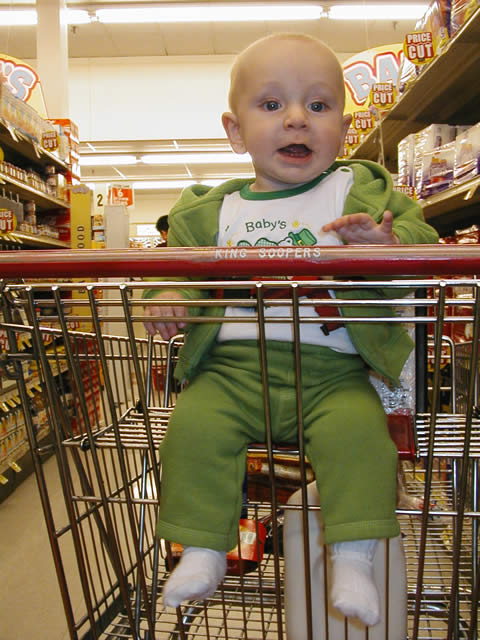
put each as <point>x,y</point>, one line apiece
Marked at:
<point>467,155</point>
<point>437,157</point>
<point>428,40</point>
<point>461,11</point>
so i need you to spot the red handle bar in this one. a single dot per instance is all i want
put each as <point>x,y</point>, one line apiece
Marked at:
<point>371,260</point>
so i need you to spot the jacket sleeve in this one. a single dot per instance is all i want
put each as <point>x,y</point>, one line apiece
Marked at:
<point>408,221</point>
<point>188,293</point>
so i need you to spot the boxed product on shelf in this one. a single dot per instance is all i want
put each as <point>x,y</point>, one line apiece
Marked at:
<point>69,143</point>
<point>467,155</point>
<point>406,161</point>
<point>436,169</point>
<point>461,11</point>
<point>21,115</point>
<point>424,142</point>
<point>428,40</point>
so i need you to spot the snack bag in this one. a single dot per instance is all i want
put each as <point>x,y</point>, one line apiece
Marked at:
<point>467,155</point>
<point>428,40</point>
<point>461,12</point>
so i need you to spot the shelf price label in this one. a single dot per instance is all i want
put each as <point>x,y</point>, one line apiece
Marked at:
<point>8,221</point>
<point>363,121</point>
<point>419,47</point>
<point>407,190</point>
<point>50,140</point>
<point>382,95</point>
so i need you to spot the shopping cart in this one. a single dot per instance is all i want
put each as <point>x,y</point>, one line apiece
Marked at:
<point>108,392</point>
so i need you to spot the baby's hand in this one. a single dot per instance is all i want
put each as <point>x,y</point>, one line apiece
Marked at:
<point>166,329</point>
<point>360,228</point>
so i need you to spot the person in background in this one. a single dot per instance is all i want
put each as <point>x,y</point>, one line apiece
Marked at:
<point>162,228</point>
<point>287,101</point>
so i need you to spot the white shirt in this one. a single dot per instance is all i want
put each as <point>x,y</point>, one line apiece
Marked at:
<point>288,218</point>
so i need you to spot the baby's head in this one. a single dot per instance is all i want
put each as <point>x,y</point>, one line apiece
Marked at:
<point>287,97</point>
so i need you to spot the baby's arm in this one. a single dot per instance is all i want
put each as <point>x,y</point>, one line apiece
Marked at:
<point>166,329</point>
<point>360,228</point>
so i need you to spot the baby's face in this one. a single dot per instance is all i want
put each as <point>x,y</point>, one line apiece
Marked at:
<point>288,101</point>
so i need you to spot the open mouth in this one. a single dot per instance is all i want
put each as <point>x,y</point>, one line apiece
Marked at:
<point>296,151</point>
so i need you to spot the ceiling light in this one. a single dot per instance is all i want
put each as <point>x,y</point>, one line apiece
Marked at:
<point>196,158</point>
<point>210,13</point>
<point>163,184</point>
<point>102,161</point>
<point>77,16</point>
<point>18,17</point>
<point>363,11</point>
<point>28,17</point>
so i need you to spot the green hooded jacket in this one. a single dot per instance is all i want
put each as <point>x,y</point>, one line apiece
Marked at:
<point>193,221</point>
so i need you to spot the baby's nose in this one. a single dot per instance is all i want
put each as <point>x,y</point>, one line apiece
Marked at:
<point>296,116</point>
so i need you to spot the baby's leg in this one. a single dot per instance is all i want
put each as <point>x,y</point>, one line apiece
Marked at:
<point>353,589</point>
<point>355,462</point>
<point>196,577</point>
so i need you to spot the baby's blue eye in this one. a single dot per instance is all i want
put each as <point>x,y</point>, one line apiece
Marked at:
<point>317,106</point>
<point>271,105</point>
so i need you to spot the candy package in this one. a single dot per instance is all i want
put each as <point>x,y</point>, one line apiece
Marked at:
<point>461,12</point>
<point>428,40</point>
<point>467,155</point>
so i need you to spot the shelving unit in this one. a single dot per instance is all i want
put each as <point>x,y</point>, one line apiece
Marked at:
<point>438,95</point>
<point>20,144</point>
<point>24,152</point>
<point>447,91</point>
<point>24,240</point>
<point>26,192</point>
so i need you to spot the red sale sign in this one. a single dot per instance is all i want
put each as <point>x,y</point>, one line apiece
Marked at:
<point>120,194</point>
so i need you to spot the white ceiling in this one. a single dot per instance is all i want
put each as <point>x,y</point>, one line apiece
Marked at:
<point>106,40</point>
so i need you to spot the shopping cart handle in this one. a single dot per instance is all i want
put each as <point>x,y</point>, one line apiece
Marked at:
<point>245,261</point>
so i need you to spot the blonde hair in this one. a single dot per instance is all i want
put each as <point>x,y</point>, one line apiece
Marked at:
<point>239,62</point>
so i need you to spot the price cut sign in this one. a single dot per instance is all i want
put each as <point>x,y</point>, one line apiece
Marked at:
<point>419,47</point>
<point>50,140</point>
<point>8,221</point>
<point>120,194</point>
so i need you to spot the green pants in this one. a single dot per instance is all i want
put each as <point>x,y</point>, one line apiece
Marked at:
<point>347,442</point>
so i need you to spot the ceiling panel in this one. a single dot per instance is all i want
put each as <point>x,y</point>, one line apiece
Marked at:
<point>119,40</point>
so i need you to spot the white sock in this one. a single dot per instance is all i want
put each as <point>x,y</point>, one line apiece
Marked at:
<point>353,590</point>
<point>196,576</point>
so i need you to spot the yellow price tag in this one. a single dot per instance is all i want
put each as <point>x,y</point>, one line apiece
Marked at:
<point>15,466</point>
<point>3,479</point>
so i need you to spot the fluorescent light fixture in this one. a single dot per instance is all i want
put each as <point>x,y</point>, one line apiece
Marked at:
<point>210,13</point>
<point>102,161</point>
<point>363,11</point>
<point>18,17</point>
<point>162,184</point>
<point>28,17</point>
<point>196,158</point>
<point>77,16</point>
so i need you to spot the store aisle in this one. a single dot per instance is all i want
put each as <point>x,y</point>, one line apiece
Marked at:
<point>30,602</point>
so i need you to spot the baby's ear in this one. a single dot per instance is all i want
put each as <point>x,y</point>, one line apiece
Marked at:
<point>232,129</point>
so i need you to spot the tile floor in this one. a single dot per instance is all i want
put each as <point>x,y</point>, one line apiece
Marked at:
<point>30,603</point>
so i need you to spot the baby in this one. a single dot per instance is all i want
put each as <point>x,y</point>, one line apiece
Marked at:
<point>286,110</point>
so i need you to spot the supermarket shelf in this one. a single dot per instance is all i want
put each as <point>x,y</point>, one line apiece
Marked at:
<point>447,91</point>
<point>24,460</point>
<point>25,191</point>
<point>19,143</point>
<point>444,209</point>
<point>22,239</point>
